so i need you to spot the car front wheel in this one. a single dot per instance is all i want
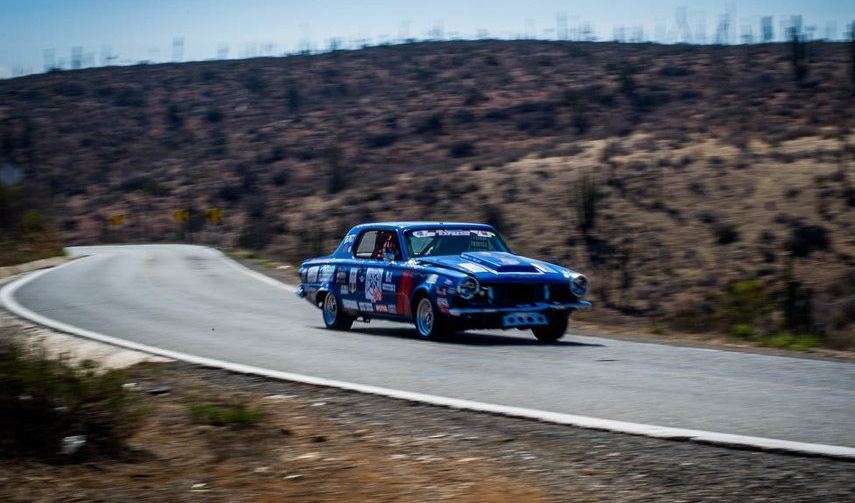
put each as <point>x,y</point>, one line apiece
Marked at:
<point>429,323</point>
<point>334,317</point>
<point>554,331</point>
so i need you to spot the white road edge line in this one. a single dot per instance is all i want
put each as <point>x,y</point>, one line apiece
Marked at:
<point>664,432</point>
<point>257,275</point>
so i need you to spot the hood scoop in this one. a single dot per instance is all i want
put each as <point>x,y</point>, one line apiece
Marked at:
<point>500,262</point>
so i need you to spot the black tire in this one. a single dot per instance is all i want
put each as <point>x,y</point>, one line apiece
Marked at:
<point>430,324</point>
<point>334,316</point>
<point>554,331</point>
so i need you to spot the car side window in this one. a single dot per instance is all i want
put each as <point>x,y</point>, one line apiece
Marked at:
<point>379,245</point>
<point>365,247</point>
<point>386,247</point>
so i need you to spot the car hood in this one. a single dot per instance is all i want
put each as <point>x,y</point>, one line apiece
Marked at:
<point>484,265</point>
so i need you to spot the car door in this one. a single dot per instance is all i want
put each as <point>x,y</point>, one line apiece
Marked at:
<point>373,283</point>
<point>352,275</point>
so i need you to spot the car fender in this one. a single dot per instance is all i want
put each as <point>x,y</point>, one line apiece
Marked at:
<point>419,290</point>
<point>437,287</point>
<point>319,295</point>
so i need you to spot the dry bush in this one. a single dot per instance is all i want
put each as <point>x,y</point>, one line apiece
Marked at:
<point>46,404</point>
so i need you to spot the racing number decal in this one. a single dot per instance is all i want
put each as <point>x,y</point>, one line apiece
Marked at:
<point>404,290</point>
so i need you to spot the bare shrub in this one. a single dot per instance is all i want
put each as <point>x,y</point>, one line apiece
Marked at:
<point>45,402</point>
<point>808,238</point>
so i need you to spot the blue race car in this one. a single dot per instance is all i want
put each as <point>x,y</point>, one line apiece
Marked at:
<point>443,277</point>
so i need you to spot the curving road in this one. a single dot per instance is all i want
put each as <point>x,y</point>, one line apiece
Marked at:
<point>193,300</point>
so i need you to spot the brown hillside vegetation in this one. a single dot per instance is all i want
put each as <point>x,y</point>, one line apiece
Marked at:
<point>697,186</point>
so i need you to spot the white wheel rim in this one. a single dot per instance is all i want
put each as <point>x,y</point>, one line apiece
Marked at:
<point>425,317</point>
<point>330,309</point>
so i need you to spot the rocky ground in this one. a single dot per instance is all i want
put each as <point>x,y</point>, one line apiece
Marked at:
<point>318,444</point>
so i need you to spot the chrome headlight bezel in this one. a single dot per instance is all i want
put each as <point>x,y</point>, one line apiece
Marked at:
<point>579,285</point>
<point>468,287</point>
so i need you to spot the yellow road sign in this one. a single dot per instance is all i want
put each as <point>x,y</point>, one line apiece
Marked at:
<point>214,215</point>
<point>181,215</point>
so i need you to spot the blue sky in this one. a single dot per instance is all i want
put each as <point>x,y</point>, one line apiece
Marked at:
<point>34,33</point>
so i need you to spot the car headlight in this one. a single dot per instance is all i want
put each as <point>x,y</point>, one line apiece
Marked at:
<point>579,285</point>
<point>468,288</point>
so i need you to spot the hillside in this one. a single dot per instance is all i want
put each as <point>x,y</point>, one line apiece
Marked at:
<point>701,165</point>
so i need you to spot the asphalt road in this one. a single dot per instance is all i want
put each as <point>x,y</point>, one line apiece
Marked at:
<point>193,300</point>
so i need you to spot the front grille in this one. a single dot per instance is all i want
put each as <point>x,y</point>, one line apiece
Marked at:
<point>516,294</point>
<point>507,295</point>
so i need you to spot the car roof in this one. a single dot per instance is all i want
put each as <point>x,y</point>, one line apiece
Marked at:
<point>410,225</point>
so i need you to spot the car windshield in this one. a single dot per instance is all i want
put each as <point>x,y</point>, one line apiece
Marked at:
<point>433,242</point>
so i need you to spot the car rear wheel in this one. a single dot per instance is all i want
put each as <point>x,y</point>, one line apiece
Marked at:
<point>429,323</point>
<point>334,317</point>
<point>554,331</point>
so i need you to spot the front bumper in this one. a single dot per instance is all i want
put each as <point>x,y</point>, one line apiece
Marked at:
<point>526,308</point>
